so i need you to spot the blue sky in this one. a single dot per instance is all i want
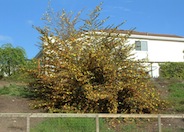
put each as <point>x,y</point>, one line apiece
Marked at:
<point>155,16</point>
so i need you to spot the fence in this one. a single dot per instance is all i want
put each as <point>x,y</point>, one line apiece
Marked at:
<point>96,116</point>
<point>153,68</point>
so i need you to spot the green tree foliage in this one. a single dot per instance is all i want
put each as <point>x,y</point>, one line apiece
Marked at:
<point>172,70</point>
<point>11,59</point>
<point>91,70</point>
<point>23,73</point>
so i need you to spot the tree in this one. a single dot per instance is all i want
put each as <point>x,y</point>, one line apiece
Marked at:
<point>91,69</point>
<point>11,58</point>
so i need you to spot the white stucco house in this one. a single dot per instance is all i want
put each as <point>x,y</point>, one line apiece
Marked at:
<point>156,48</point>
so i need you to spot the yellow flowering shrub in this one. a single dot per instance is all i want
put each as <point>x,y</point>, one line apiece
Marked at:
<point>93,72</point>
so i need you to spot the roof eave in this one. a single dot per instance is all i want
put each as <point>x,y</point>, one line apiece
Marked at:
<point>161,38</point>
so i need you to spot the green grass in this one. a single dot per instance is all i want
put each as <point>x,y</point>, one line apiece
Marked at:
<point>70,125</point>
<point>14,90</point>
<point>176,96</point>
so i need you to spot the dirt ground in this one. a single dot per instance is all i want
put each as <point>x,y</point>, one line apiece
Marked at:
<point>9,104</point>
<point>14,105</point>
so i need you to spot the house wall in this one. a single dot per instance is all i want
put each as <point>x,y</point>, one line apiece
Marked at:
<point>164,51</point>
<point>160,51</point>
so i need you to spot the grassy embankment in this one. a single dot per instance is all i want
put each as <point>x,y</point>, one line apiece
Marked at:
<point>175,96</point>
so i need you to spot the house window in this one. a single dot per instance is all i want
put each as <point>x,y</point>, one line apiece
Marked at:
<point>141,46</point>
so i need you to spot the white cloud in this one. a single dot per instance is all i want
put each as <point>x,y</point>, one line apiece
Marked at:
<point>126,10</point>
<point>110,8</point>
<point>5,39</point>
<point>30,22</point>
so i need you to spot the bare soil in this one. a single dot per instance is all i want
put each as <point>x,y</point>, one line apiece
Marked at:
<point>10,104</point>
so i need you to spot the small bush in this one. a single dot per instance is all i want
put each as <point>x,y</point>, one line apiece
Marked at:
<point>172,70</point>
<point>15,90</point>
<point>1,76</point>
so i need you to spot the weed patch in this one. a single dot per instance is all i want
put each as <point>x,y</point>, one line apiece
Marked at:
<point>15,90</point>
<point>176,96</point>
